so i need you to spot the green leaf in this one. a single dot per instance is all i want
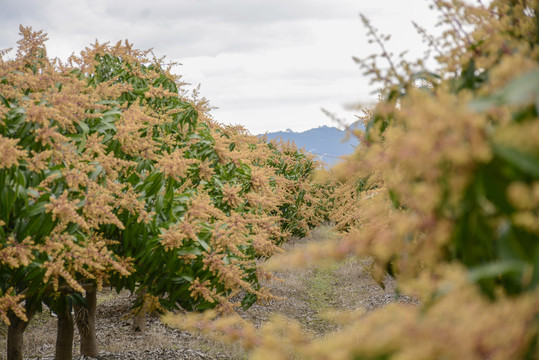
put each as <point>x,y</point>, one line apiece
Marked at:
<point>84,128</point>
<point>522,90</point>
<point>204,244</point>
<point>36,209</point>
<point>189,250</point>
<point>508,246</point>
<point>497,269</point>
<point>535,274</point>
<point>528,163</point>
<point>188,278</point>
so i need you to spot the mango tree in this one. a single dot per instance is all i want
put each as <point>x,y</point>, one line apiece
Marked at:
<point>110,177</point>
<point>54,198</point>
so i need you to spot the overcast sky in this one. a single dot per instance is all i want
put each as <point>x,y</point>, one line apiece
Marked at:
<point>266,64</point>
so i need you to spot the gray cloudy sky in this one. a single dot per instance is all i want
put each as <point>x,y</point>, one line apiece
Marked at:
<point>266,64</point>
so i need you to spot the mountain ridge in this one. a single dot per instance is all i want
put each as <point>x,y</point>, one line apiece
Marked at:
<point>326,142</point>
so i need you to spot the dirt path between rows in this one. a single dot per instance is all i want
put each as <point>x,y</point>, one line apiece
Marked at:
<point>308,293</point>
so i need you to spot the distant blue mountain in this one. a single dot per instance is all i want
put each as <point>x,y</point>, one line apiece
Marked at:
<point>325,142</point>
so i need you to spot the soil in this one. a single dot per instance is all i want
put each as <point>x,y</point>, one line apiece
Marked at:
<point>309,292</point>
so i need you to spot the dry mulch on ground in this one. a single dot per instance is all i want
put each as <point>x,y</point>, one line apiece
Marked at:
<point>309,292</point>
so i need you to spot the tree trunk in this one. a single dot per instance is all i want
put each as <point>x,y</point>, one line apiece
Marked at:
<point>64,337</point>
<point>15,335</point>
<point>139,322</point>
<point>85,320</point>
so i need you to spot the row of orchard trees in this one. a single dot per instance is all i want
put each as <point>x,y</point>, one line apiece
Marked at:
<point>443,193</point>
<point>110,177</point>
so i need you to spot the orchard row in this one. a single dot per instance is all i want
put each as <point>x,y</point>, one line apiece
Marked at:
<point>111,176</point>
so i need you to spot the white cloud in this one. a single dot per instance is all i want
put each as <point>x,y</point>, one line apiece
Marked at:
<point>267,64</point>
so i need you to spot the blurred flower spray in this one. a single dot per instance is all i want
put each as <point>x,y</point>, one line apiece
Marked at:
<point>442,193</point>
